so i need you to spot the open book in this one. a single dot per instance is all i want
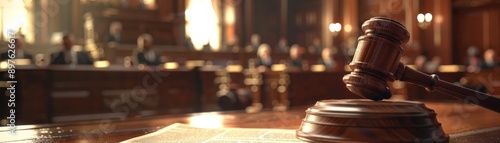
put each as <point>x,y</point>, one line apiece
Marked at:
<point>185,133</point>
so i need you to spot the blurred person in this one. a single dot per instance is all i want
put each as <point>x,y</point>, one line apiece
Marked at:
<point>254,43</point>
<point>145,54</point>
<point>67,55</point>
<point>433,65</point>
<point>263,60</point>
<point>473,61</point>
<point>316,47</point>
<point>490,61</point>
<point>115,30</point>
<point>283,46</point>
<point>295,60</point>
<point>327,58</point>
<point>232,45</point>
<point>420,62</point>
<point>19,51</point>
<point>188,43</point>
<point>235,98</point>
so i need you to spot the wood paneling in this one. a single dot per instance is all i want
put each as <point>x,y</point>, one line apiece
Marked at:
<point>266,20</point>
<point>304,21</point>
<point>163,23</point>
<point>457,120</point>
<point>475,25</point>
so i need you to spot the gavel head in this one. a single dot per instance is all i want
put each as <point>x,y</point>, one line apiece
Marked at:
<point>376,59</point>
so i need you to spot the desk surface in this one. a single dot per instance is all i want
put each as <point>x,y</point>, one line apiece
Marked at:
<point>455,118</point>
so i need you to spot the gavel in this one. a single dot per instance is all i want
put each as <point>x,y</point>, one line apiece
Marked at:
<point>376,61</point>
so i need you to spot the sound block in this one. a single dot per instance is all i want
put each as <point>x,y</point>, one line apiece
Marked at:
<point>363,120</point>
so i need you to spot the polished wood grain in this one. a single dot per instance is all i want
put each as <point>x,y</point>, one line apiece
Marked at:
<point>455,117</point>
<point>363,120</point>
<point>175,93</point>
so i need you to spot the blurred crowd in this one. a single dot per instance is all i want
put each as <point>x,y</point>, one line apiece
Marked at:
<point>330,58</point>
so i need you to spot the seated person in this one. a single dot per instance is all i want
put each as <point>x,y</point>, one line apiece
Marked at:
<point>327,59</point>
<point>433,65</point>
<point>145,53</point>
<point>295,60</point>
<point>263,60</point>
<point>473,61</point>
<point>282,46</point>
<point>115,29</point>
<point>69,56</point>
<point>19,51</point>
<point>490,61</point>
<point>420,62</point>
<point>316,47</point>
<point>254,43</point>
<point>234,99</point>
<point>232,45</point>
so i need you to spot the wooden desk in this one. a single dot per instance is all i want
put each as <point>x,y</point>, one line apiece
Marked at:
<point>453,118</point>
<point>65,93</point>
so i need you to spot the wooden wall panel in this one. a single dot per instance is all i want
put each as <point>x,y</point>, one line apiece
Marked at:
<point>304,19</point>
<point>475,25</point>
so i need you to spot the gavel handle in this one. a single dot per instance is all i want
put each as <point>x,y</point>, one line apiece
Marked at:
<point>433,83</point>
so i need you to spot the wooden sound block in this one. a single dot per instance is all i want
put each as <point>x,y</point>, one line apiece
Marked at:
<point>363,120</point>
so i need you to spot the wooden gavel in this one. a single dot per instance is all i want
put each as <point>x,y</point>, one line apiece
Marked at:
<point>376,61</point>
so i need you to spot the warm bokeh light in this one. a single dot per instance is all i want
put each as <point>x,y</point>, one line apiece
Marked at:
<point>202,24</point>
<point>234,68</point>
<point>194,63</point>
<point>428,17</point>
<point>17,62</point>
<point>14,16</point>
<point>171,65</point>
<point>229,15</point>
<point>4,65</point>
<point>424,20</point>
<point>318,68</point>
<point>420,17</point>
<point>348,28</point>
<point>335,27</point>
<point>101,64</point>
<point>206,120</point>
<point>278,67</point>
<point>451,68</point>
<point>149,4</point>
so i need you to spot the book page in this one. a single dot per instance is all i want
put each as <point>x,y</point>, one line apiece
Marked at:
<point>184,133</point>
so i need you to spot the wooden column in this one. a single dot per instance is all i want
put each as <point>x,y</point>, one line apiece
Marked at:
<point>349,22</point>
<point>436,39</point>
<point>248,19</point>
<point>328,12</point>
<point>283,18</point>
<point>442,30</point>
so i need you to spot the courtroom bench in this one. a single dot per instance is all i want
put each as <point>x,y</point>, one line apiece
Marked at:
<point>75,93</point>
<point>71,93</point>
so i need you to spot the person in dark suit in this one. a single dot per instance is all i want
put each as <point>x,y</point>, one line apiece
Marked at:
<point>490,61</point>
<point>263,60</point>
<point>19,51</point>
<point>283,46</point>
<point>254,43</point>
<point>69,56</point>
<point>145,53</point>
<point>295,60</point>
<point>115,29</point>
<point>327,59</point>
